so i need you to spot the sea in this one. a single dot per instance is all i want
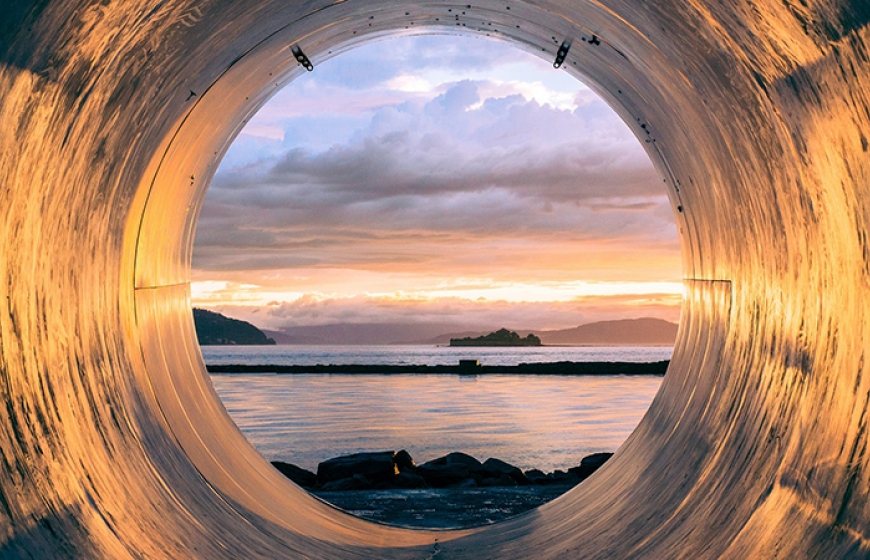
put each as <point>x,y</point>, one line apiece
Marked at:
<point>544,422</point>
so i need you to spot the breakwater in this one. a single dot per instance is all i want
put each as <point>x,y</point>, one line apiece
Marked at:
<point>542,368</point>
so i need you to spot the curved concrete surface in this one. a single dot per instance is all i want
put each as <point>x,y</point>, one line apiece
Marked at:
<point>114,116</point>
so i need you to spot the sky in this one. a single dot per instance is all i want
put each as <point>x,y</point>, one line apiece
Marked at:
<point>436,179</point>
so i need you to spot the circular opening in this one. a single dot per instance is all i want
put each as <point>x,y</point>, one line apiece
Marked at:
<point>113,441</point>
<point>421,189</point>
<point>163,241</point>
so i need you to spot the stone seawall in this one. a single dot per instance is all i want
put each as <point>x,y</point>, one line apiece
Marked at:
<point>548,368</point>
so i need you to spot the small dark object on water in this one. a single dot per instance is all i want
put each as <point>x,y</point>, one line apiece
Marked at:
<point>469,366</point>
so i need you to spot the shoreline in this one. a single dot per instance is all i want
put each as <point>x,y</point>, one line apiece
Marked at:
<point>455,490</point>
<point>535,368</point>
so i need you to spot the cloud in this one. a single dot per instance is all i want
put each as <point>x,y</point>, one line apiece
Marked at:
<point>508,166</point>
<point>387,160</point>
<point>444,144</point>
<point>383,60</point>
<point>309,309</point>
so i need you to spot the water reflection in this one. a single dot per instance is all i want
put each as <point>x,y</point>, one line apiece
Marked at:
<point>533,422</point>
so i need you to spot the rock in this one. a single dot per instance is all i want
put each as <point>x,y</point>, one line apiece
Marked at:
<point>404,462</point>
<point>214,328</point>
<point>407,479</point>
<point>450,470</point>
<point>355,482</point>
<point>377,467</point>
<point>596,459</point>
<point>561,477</point>
<point>494,468</point>
<point>300,476</point>
<point>536,476</point>
<point>458,458</point>
<point>497,480</point>
<point>439,476</point>
<point>390,469</point>
<point>589,465</point>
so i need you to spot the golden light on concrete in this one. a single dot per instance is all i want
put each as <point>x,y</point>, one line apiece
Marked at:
<point>114,116</point>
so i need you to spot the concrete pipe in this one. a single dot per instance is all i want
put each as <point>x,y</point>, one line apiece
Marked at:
<point>114,116</point>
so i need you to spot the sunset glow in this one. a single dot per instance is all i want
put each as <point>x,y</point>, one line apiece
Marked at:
<point>443,179</point>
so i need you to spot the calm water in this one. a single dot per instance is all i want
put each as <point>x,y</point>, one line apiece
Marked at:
<point>544,422</point>
<point>426,355</point>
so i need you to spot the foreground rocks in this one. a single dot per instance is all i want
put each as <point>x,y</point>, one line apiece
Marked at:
<point>300,476</point>
<point>378,468</point>
<point>381,470</point>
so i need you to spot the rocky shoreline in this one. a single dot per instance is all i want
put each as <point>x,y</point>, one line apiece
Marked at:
<point>381,470</point>
<point>456,490</point>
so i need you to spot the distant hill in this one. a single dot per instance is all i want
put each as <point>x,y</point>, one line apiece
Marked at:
<point>280,337</point>
<point>621,332</point>
<point>501,337</point>
<point>213,328</point>
<point>624,332</point>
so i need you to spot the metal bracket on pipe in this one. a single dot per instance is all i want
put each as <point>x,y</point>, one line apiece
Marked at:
<point>301,58</point>
<point>562,53</point>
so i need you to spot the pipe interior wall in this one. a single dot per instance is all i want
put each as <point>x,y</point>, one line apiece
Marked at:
<point>115,115</point>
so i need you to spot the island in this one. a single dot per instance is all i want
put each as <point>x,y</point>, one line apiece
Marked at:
<point>216,329</point>
<point>501,337</point>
